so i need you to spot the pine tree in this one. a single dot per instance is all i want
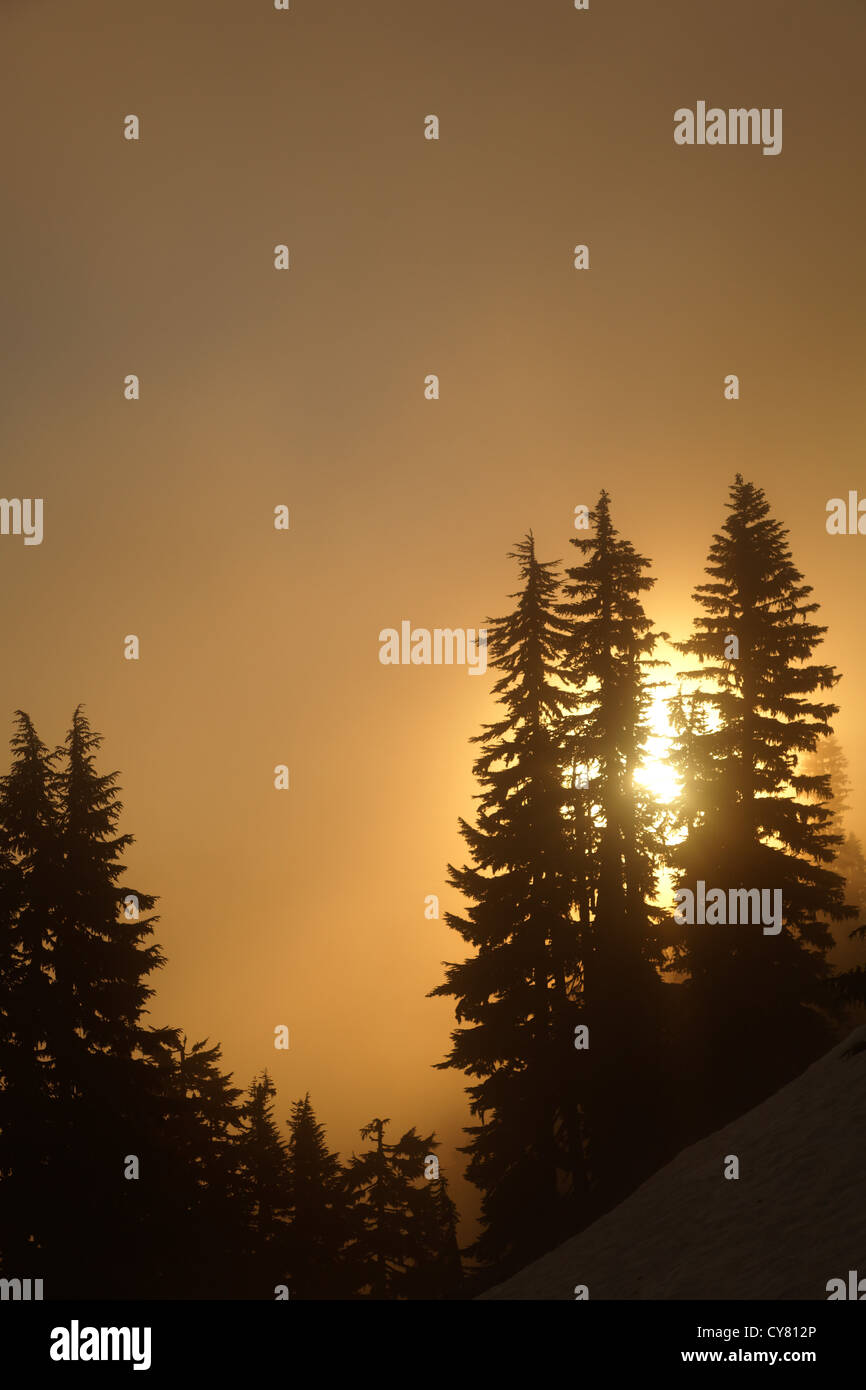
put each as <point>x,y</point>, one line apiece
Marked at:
<point>263,1171</point>
<point>100,960</point>
<point>398,1235</point>
<point>199,1242</point>
<point>608,659</point>
<point>851,864</point>
<point>449,1271</point>
<point>101,1080</point>
<point>755,997</point>
<point>318,1208</point>
<point>440,1274</point>
<point>117,1176</point>
<point>517,996</point>
<point>849,985</point>
<point>829,760</point>
<point>30,859</point>
<point>689,722</point>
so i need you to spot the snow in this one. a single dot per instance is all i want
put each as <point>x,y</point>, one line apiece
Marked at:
<point>794,1219</point>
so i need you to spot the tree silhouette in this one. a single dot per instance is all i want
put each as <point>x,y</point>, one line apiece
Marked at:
<point>440,1274</point>
<point>263,1164</point>
<point>755,997</point>
<point>396,1221</point>
<point>829,760</point>
<point>76,1093</point>
<point>101,1080</point>
<point>30,858</point>
<point>608,656</point>
<point>199,1180</point>
<point>517,995</point>
<point>317,1203</point>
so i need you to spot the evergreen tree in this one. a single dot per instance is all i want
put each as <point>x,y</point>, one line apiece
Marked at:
<point>450,1265</point>
<point>30,858</point>
<point>440,1274</point>
<point>102,1083</point>
<point>829,760</point>
<point>689,722</point>
<point>263,1171</point>
<point>755,998</point>
<point>849,985</point>
<point>317,1203</point>
<point>199,1189</point>
<point>851,864</point>
<point>608,657</point>
<point>398,1237</point>
<point>101,1187</point>
<point>517,996</point>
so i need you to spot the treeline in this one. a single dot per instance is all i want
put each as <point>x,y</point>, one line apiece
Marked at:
<point>130,1166</point>
<point>600,1037</point>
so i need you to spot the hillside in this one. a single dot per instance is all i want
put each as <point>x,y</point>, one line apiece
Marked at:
<point>795,1217</point>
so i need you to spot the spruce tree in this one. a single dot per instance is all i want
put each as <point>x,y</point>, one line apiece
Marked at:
<point>100,959</point>
<point>849,984</point>
<point>608,660</point>
<point>117,1176</point>
<point>689,722</point>
<point>517,995</point>
<point>199,1241</point>
<point>440,1274</point>
<point>397,1235</point>
<point>851,864</point>
<point>263,1172</point>
<point>317,1205</point>
<point>31,1148</point>
<point>755,997</point>
<point>102,1083</point>
<point>829,759</point>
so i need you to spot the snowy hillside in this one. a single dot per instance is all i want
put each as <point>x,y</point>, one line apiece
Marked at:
<point>795,1217</point>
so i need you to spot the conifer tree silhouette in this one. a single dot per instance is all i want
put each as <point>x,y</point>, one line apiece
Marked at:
<point>393,1212</point>
<point>608,657</point>
<point>755,997</point>
<point>829,759</point>
<point>317,1204</point>
<point>263,1165</point>
<point>440,1274</point>
<point>101,959</point>
<point>689,723</point>
<point>89,1093</point>
<point>203,1207</point>
<point>30,1148</point>
<point>517,996</point>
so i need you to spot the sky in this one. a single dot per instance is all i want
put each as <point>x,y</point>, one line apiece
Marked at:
<point>305,387</point>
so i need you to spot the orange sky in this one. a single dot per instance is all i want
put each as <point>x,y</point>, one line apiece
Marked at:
<point>306,387</point>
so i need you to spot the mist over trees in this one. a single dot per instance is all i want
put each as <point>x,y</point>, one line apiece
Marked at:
<point>130,1165</point>
<point>597,1034</point>
<point>686,1026</point>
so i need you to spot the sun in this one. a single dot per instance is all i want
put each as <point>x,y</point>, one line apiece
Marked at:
<point>656,773</point>
<point>659,778</point>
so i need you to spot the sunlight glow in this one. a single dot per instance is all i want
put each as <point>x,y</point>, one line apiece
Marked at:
<point>655,773</point>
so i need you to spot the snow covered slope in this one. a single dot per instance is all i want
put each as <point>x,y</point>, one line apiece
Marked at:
<point>795,1217</point>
